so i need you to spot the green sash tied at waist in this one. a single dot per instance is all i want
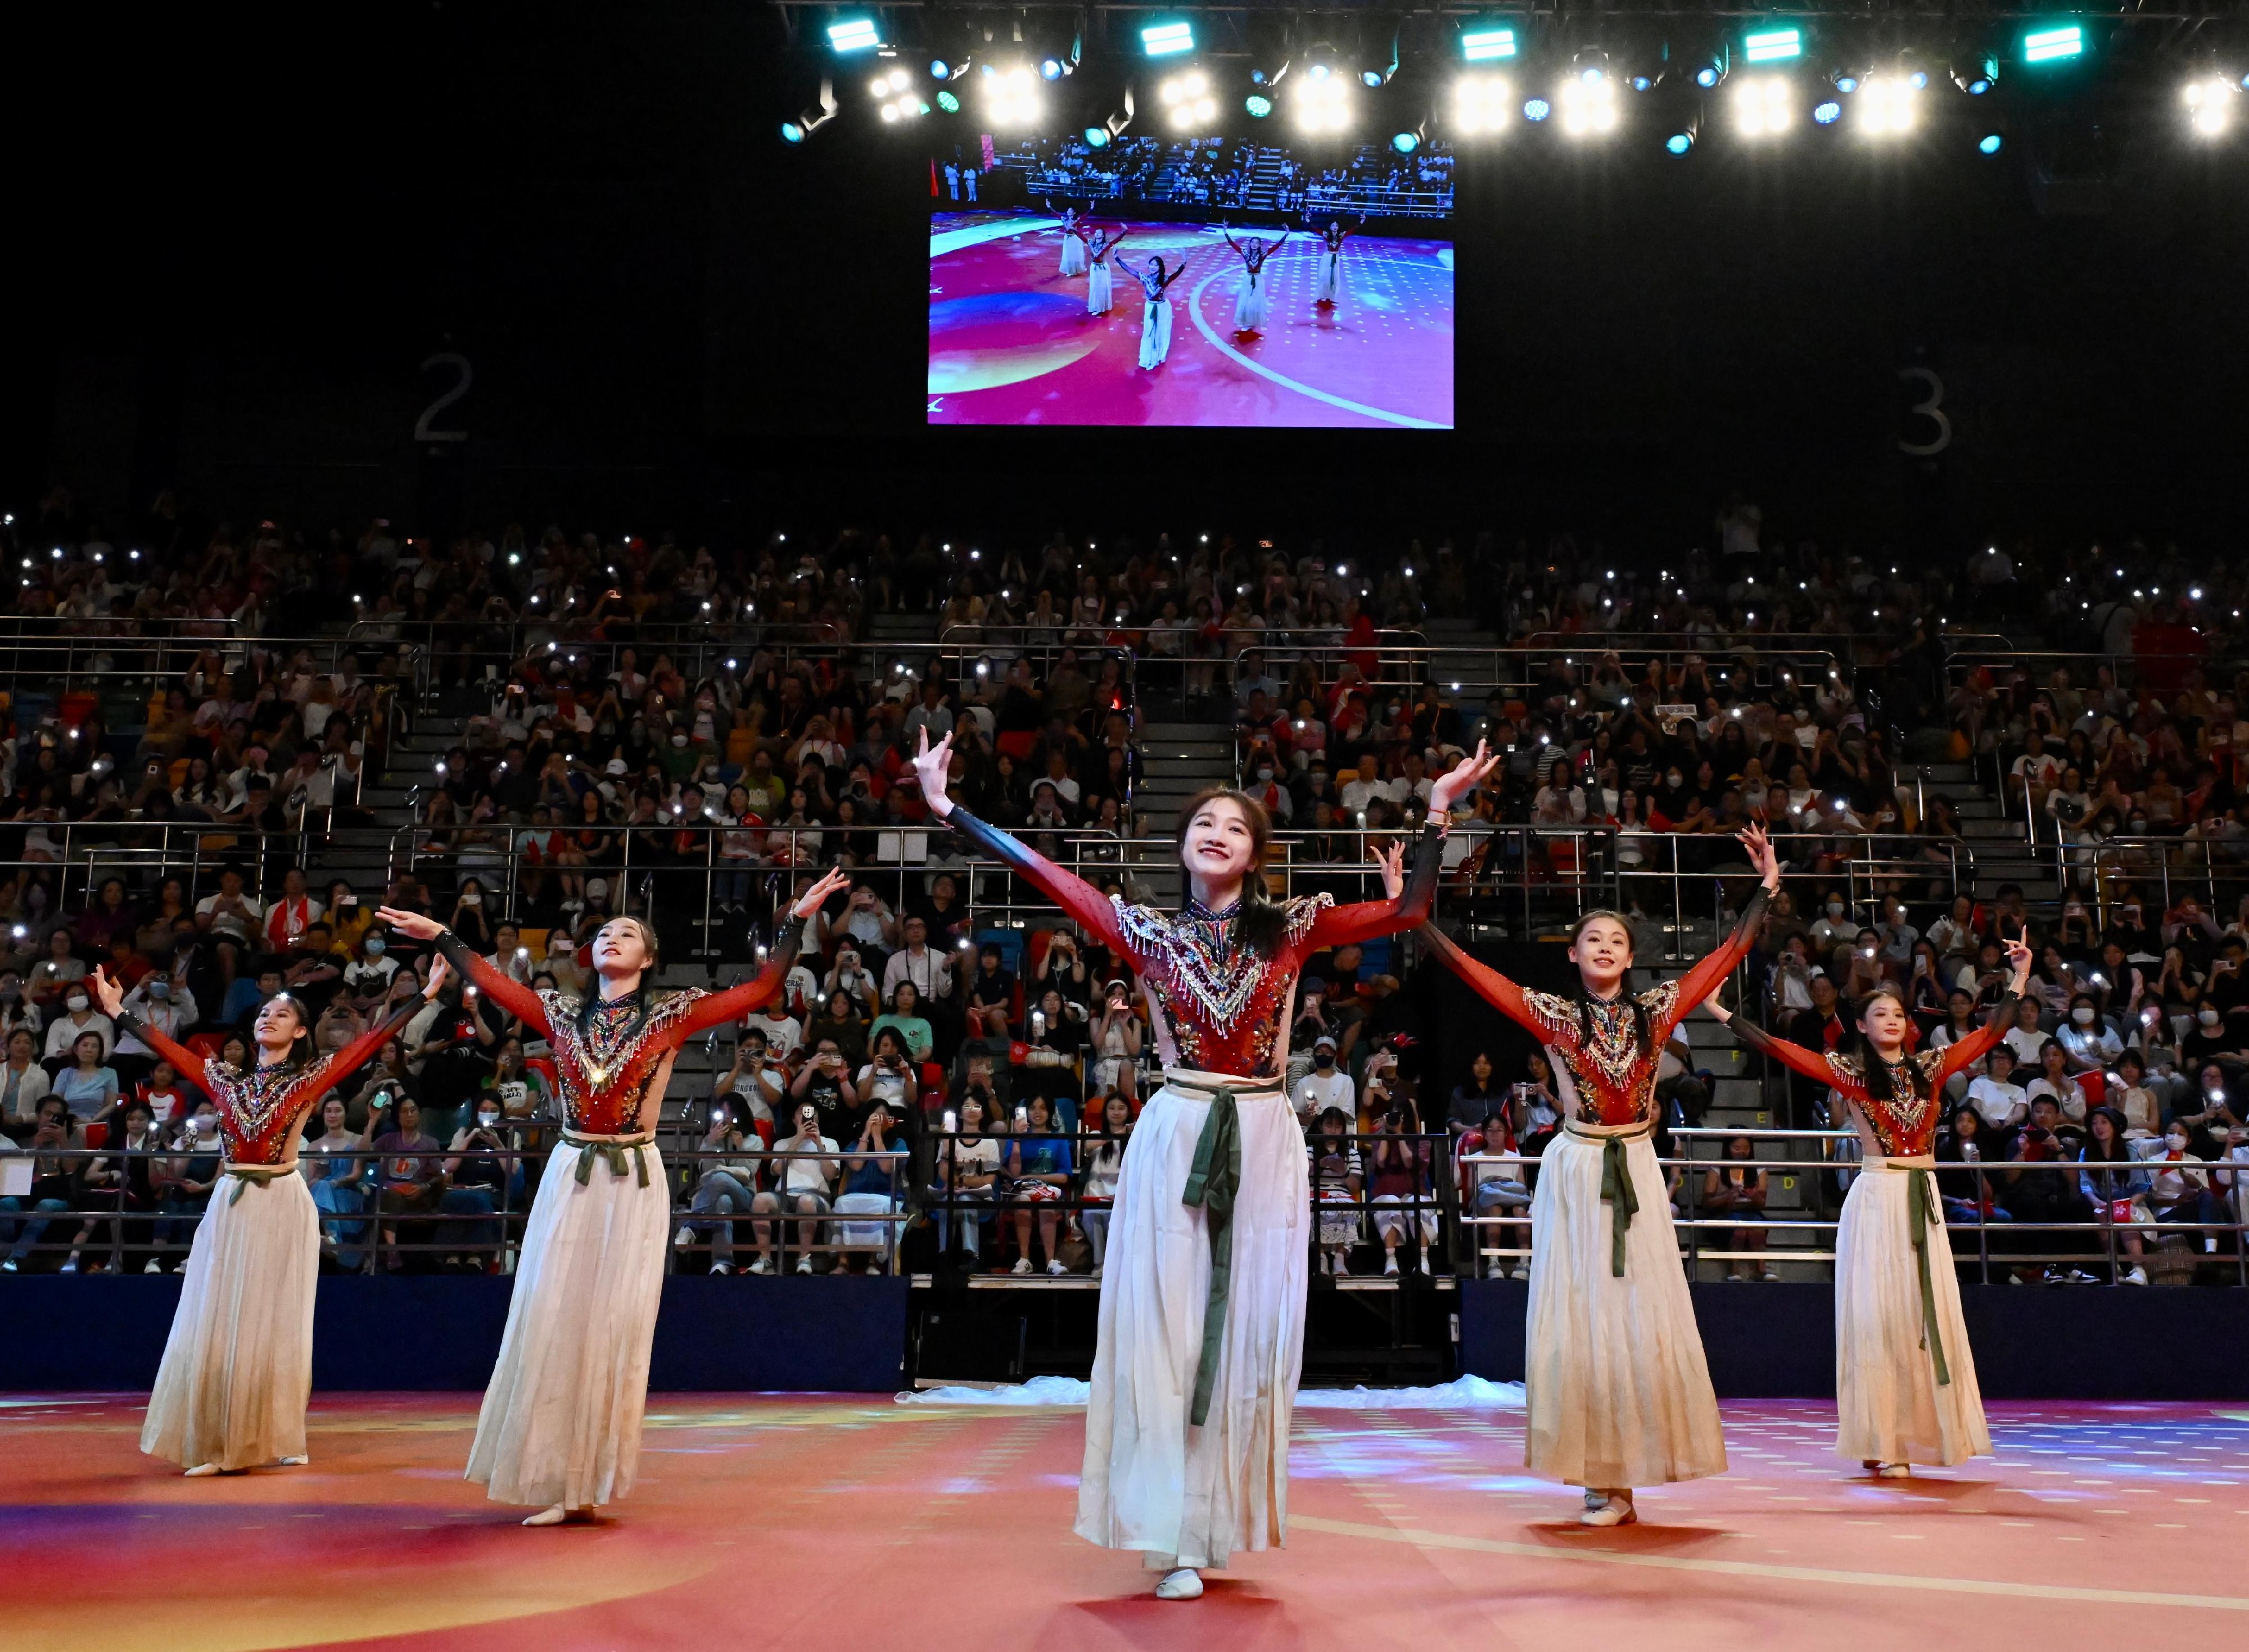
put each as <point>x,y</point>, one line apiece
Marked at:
<point>592,1148</point>
<point>246,1176</point>
<point>1212,1182</point>
<point>1618,1193</point>
<point>1921,1196</point>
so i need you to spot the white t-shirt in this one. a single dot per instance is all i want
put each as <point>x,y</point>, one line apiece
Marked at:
<point>1995,1102</point>
<point>227,921</point>
<point>806,1174</point>
<point>2025,1043</point>
<point>781,1037</point>
<point>1316,1091</point>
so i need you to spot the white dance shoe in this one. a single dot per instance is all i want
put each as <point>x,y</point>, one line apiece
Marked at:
<point>1186,1584</point>
<point>1608,1508</point>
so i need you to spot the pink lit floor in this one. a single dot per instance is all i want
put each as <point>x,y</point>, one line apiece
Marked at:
<point>816,1523</point>
<point>1010,341</point>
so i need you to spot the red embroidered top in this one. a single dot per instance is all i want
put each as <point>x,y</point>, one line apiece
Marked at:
<point>607,1057</point>
<point>258,1111</point>
<point>1608,1077</point>
<point>1905,1125</point>
<point>1218,1008</point>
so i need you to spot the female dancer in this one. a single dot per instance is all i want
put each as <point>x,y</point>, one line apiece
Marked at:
<point>1201,1340</point>
<point>1073,240</point>
<point>1905,1381</point>
<point>1618,1391</point>
<point>1099,300</point>
<point>559,1429</point>
<point>238,1366</point>
<point>1156,319</point>
<point>1249,302</point>
<point>1331,240</point>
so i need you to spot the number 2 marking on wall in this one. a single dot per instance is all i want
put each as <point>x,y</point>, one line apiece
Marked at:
<point>423,431</point>
<point>1931,409</point>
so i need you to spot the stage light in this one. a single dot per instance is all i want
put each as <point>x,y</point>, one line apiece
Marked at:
<point>1481,103</point>
<point>1536,109</point>
<point>791,133</point>
<point>1977,78</point>
<point>2209,105</point>
<point>940,69</point>
<point>1096,137</point>
<point>853,34</point>
<point>1679,143</point>
<point>1889,106</point>
<point>1187,103</point>
<point>1989,143</point>
<point>2057,44</point>
<point>1774,45</point>
<point>1323,105</point>
<point>1258,106</point>
<point>1050,68</point>
<point>1589,105</point>
<point>1709,74</point>
<point>947,101</point>
<point>1764,107</point>
<point>1844,81</point>
<point>1011,97</point>
<point>1164,39</point>
<point>1481,45</point>
<point>1406,142</point>
<point>1827,113</point>
<point>1641,83</point>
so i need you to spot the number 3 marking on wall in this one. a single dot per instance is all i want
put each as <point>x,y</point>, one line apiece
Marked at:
<point>422,432</point>
<point>1931,409</point>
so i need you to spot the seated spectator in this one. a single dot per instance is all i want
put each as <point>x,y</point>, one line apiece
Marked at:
<point>53,1182</point>
<point>807,1163</point>
<point>2004,1104</point>
<point>339,1184</point>
<point>78,1017</point>
<point>1109,1126</point>
<point>1327,1085</point>
<point>88,1085</point>
<point>23,1083</point>
<point>122,1180</point>
<point>2055,1084</point>
<point>725,1179</point>
<point>871,1186</point>
<point>991,997</point>
<point>1398,1175</point>
<point>410,1179</point>
<point>1733,1187</point>
<point>906,1020</point>
<point>1114,1041</point>
<point>2025,1038</point>
<point>839,1024</point>
<point>968,1165</point>
<point>1039,1170</point>
<point>184,1183</point>
<point>1335,1183</point>
<point>483,1170</point>
<point>52,977</point>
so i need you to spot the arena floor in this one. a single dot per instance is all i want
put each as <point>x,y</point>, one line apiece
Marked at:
<point>819,1523</point>
<point>1010,341</point>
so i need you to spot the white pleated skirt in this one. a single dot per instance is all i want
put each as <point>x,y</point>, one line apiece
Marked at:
<point>561,1416</point>
<point>1330,277</point>
<point>1099,290</point>
<point>1617,1391</point>
<point>1155,333</point>
<point>1073,255</point>
<point>1249,305</point>
<point>1889,1406</point>
<point>238,1368</point>
<point>1183,1495</point>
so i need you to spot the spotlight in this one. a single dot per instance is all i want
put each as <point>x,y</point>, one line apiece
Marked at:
<point>1977,78</point>
<point>1774,45</point>
<point>1096,137</point>
<point>1406,142</point>
<point>2056,43</point>
<point>1764,107</point>
<point>1258,105</point>
<point>1827,113</point>
<point>1536,109</point>
<point>1589,105</point>
<point>1845,81</point>
<point>1679,143</point>
<point>1710,73</point>
<point>1482,44</point>
<point>1164,39</point>
<point>940,69</point>
<point>1323,105</point>
<point>1187,103</point>
<point>805,125</point>
<point>2209,105</point>
<point>1050,68</point>
<point>1887,106</point>
<point>1011,97</point>
<point>947,102</point>
<point>1481,103</point>
<point>853,34</point>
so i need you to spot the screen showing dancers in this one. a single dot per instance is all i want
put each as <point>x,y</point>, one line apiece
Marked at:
<point>1197,282</point>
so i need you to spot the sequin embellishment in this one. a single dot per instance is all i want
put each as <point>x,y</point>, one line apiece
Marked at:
<point>607,1065</point>
<point>1614,1078</point>
<point>259,1108</point>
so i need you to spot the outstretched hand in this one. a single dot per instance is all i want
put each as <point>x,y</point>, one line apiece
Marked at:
<point>1391,857</point>
<point>929,764</point>
<point>835,877</point>
<point>440,971</point>
<point>2018,955</point>
<point>414,926</point>
<point>109,994</point>
<point>1717,1008</point>
<point>1763,855</point>
<point>1463,777</point>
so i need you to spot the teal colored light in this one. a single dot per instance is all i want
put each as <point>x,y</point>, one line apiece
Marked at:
<point>1991,142</point>
<point>947,102</point>
<point>1774,45</point>
<point>1163,40</point>
<point>1258,105</point>
<point>1096,137</point>
<point>1679,143</point>
<point>2057,43</point>
<point>791,133</point>
<point>1481,45</point>
<point>853,34</point>
<point>1406,142</point>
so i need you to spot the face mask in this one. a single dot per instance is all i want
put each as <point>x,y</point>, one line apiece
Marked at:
<point>2209,1018</point>
<point>679,739</point>
<point>2177,1143</point>
<point>1674,779</point>
<point>1834,908</point>
<point>2082,1016</point>
<point>1264,774</point>
<point>77,1002</point>
<point>1325,1059</point>
<point>488,1119</point>
<point>375,946</point>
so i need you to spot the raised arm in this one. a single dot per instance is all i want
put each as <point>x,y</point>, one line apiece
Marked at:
<point>361,1050</point>
<point>1493,987</point>
<point>740,999</point>
<point>1073,893</point>
<point>111,996</point>
<point>1961,1051</point>
<point>1812,1063</point>
<point>1704,979</point>
<point>1410,900</point>
<point>497,984</point>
